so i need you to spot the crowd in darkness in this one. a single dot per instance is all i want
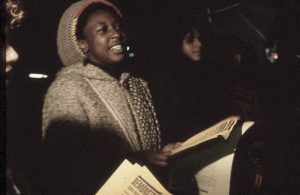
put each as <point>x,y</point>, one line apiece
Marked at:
<point>232,77</point>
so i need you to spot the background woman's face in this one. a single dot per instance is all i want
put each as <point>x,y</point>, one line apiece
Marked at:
<point>11,56</point>
<point>104,38</point>
<point>191,45</point>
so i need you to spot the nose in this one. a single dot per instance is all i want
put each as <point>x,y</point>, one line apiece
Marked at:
<point>115,33</point>
<point>11,55</point>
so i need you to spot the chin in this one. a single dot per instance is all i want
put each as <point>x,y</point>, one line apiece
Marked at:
<point>196,59</point>
<point>118,59</point>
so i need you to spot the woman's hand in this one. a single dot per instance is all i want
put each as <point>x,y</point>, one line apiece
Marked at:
<point>171,146</point>
<point>159,158</point>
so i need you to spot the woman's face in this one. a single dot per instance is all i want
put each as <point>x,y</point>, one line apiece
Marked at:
<point>191,45</point>
<point>104,38</point>
<point>14,13</point>
<point>11,56</point>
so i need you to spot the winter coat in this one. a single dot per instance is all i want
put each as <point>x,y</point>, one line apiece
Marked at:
<point>89,126</point>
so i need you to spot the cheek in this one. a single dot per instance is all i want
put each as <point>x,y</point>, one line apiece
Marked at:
<point>186,50</point>
<point>97,48</point>
<point>11,55</point>
<point>123,37</point>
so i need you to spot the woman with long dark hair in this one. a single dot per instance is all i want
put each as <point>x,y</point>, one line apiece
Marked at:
<point>184,85</point>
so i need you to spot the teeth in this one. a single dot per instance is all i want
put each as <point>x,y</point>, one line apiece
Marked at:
<point>116,48</point>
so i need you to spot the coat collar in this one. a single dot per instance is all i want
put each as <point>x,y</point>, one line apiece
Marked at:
<point>91,71</point>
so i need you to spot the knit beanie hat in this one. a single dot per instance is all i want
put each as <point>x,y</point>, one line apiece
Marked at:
<point>67,42</point>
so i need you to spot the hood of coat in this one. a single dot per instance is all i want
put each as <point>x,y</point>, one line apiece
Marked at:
<point>91,71</point>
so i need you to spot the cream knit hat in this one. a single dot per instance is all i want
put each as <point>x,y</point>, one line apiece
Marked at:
<point>67,43</point>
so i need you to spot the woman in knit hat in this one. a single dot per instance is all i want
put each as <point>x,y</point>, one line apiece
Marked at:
<point>96,112</point>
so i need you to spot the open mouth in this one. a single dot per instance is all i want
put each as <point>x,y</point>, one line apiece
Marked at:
<point>196,53</point>
<point>117,49</point>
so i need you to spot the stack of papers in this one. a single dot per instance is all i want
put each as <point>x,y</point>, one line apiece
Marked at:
<point>132,179</point>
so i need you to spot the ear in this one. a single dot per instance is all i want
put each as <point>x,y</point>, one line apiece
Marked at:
<point>83,46</point>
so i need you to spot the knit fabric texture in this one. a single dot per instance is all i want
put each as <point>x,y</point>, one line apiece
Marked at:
<point>143,111</point>
<point>67,43</point>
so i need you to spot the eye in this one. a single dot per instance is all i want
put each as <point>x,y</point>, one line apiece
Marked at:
<point>101,29</point>
<point>189,39</point>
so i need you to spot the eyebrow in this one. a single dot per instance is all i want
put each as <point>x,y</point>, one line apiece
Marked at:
<point>101,23</point>
<point>105,22</point>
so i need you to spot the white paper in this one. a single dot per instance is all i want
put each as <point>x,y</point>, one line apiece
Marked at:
<point>214,179</point>
<point>131,179</point>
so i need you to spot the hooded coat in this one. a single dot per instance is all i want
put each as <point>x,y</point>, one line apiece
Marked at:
<point>91,119</point>
<point>89,126</point>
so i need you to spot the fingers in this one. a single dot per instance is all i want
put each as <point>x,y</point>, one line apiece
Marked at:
<point>171,146</point>
<point>167,148</point>
<point>158,158</point>
<point>177,144</point>
<point>258,181</point>
<point>159,163</point>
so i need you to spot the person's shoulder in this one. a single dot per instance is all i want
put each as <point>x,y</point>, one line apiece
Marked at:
<point>70,73</point>
<point>68,80</point>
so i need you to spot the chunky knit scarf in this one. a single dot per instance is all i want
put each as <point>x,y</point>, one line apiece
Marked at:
<point>140,102</point>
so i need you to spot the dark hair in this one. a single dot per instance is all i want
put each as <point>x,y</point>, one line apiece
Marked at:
<point>14,13</point>
<point>177,26</point>
<point>83,18</point>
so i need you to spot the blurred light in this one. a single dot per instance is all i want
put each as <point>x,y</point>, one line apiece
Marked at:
<point>271,54</point>
<point>37,76</point>
<point>127,48</point>
<point>131,55</point>
<point>275,56</point>
<point>298,56</point>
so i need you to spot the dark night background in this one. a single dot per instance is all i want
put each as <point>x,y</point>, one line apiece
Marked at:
<point>35,41</point>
